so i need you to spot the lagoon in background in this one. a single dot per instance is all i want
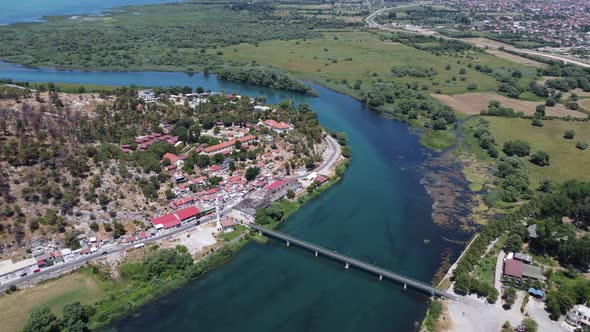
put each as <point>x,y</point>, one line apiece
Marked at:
<point>34,10</point>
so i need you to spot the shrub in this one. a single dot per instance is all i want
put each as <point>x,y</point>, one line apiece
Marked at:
<point>472,87</point>
<point>569,134</point>
<point>540,158</point>
<point>550,102</point>
<point>519,148</point>
<point>537,123</point>
<point>582,145</point>
<point>572,105</point>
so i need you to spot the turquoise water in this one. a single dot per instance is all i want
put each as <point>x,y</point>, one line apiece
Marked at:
<point>379,212</point>
<point>34,10</point>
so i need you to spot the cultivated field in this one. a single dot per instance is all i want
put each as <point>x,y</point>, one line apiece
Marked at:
<point>15,308</point>
<point>360,55</point>
<point>516,58</point>
<point>473,103</point>
<point>567,162</point>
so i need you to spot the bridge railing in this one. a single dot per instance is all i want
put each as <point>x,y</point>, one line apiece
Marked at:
<point>350,260</point>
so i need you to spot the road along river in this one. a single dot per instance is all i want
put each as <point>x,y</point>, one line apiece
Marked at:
<point>379,213</point>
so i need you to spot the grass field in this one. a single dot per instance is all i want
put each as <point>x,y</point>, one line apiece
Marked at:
<point>15,308</point>
<point>567,162</point>
<point>356,55</point>
<point>486,268</point>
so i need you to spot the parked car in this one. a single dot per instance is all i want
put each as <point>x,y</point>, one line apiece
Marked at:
<point>23,274</point>
<point>37,270</point>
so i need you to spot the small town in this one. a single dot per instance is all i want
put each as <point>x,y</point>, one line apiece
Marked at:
<point>355,165</point>
<point>563,24</point>
<point>216,189</point>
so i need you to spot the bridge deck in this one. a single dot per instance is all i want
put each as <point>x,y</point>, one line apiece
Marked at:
<point>356,263</point>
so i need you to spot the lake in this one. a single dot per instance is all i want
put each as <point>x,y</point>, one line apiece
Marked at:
<point>35,10</point>
<point>379,212</point>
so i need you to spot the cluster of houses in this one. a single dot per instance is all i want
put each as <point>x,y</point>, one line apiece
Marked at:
<point>560,21</point>
<point>518,267</point>
<point>144,142</point>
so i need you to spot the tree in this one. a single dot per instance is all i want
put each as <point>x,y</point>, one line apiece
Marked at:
<point>74,318</point>
<point>94,226</point>
<point>119,230</point>
<point>530,325</point>
<point>569,134</point>
<point>540,111</point>
<point>440,124</point>
<point>519,148</point>
<point>42,320</point>
<point>252,173</point>
<point>513,243</point>
<point>509,297</point>
<point>71,240</point>
<point>472,87</point>
<point>550,102</point>
<point>582,145</point>
<point>218,158</point>
<point>169,194</point>
<point>540,158</point>
<point>546,186</point>
<point>290,194</point>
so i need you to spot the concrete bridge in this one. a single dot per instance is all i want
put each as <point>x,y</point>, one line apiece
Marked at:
<point>352,262</point>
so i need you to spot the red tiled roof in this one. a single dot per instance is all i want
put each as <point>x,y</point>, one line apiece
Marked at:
<point>277,184</point>
<point>513,268</point>
<point>170,156</point>
<point>168,221</point>
<point>321,178</point>
<point>219,146</point>
<point>214,168</point>
<point>276,125</point>
<point>246,138</point>
<point>189,212</point>
<point>227,222</point>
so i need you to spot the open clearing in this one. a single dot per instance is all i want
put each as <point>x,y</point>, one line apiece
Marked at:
<point>15,308</point>
<point>585,104</point>
<point>567,162</point>
<point>473,103</point>
<point>359,55</point>
<point>516,58</point>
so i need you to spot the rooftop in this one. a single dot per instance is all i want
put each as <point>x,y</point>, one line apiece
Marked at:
<point>189,212</point>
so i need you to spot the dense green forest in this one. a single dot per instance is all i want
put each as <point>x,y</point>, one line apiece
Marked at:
<point>179,36</point>
<point>263,76</point>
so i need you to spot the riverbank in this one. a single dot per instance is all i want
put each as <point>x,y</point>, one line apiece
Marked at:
<point>121,295</point>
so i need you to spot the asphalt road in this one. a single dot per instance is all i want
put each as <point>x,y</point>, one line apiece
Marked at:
<point>374,25</point>
<point>57,269</point>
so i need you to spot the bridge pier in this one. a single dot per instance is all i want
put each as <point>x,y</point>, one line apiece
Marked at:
<point>346,266</point>
<point>260,233</point>
<point>316,253</point>
<point>380,277</point>
<point>288,243</point>
<point>405,286</point>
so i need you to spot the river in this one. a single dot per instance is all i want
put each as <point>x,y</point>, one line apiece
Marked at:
<point>379,213</point>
